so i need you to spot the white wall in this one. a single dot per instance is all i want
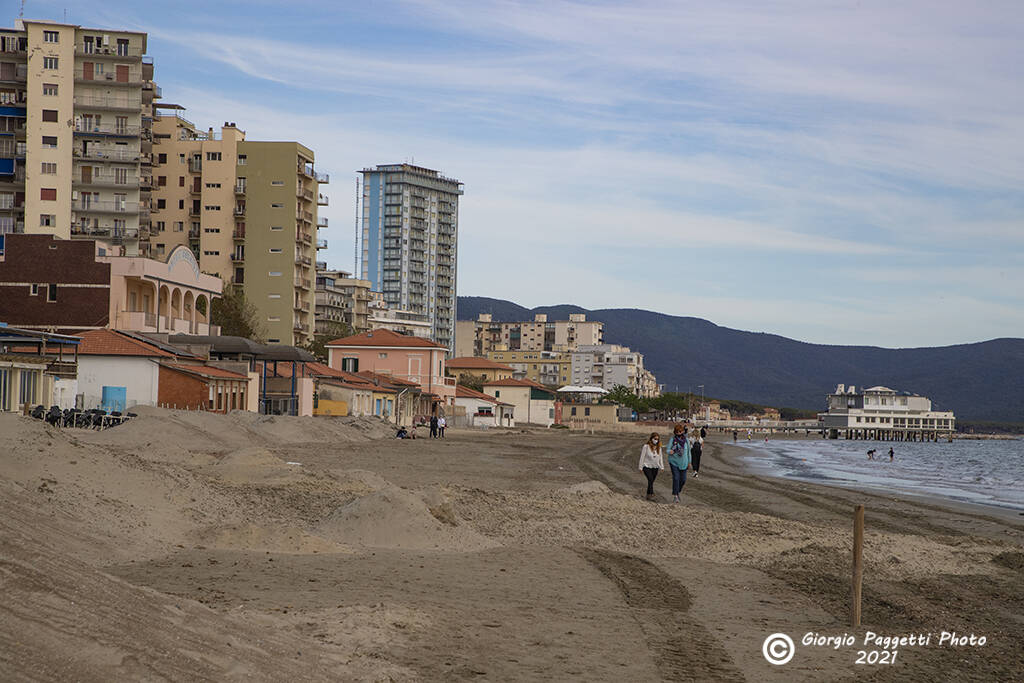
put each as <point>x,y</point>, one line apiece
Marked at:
<point>140,377</point>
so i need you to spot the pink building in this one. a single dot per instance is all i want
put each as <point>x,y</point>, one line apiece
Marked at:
<point>404,357</point>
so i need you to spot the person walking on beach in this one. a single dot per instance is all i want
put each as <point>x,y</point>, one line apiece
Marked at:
<point>735,434</point>
<point>433,426</point>
<point>696,447</point>
<point>704,432</point>
<point>651,462</point>
<point>678,460</point>
<point>441,424</point>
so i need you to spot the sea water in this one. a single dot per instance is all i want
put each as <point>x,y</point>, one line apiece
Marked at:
<point>977,471</point>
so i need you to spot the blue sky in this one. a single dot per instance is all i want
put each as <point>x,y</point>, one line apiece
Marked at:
<point>835,172</point>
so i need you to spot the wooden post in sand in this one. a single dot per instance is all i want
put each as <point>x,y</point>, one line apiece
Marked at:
<point>858,564</point>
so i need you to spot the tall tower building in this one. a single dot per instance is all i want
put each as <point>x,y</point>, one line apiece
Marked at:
<point>75,132</point>
<point>408,241</point>
<point>248,211</point>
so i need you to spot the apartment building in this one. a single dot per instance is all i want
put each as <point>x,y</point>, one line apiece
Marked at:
<point>483,335</point>
<point>341,298</point>
<point>610,365</point>
<point>552,368</point>
<point>247,209</point>
<point>408,243</point>
<point>382,316</point>
<point>883,413</point>
<point>75,133</point>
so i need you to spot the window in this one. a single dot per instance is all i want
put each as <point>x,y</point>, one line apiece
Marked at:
<point>273,318</point>
<point>121,176</point>
<point>213,230</point>
<point>50,141</point>
<point>161,203</point>
<point>49,167</point>
<point>213,156</point>
<point>181,203</point>
<point>50,62</point>
<point>48,194</point>
<point>212,207</point>
<point>51,37</point>
<point>181,158</point>
<point>273,296</point>
<point>586,411</point>
<point>161,158</point>
<point>181,181</point>
<point>350,365</point>
<point>274,273</point>
<point>47,219</point>
<point>213,185</point>
<point>211,253</point>
<point>275,250</point>
<point>34,289</point>
<point>497,393</point>
<point>49,115</point>
<point>51,293</point>
<point>242,160</point>
<point>277,206</point>
<point>179,226</point>
<point>273,341</point>
<point>49,88</point>
<point>276,227</point>
<point>382,355</point>
<point>161,180</point>
<point>160,226</point>
<point>277,183</point>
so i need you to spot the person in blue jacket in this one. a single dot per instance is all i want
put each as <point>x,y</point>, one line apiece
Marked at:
<point>678,459</point>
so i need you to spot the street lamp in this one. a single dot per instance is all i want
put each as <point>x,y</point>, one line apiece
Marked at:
<point>701,387</point>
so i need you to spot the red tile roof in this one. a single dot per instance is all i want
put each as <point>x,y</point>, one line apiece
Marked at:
<point>476,363</point>
<point>385,338</point>
<point>112,343</point>
<point>206,371</point>
<point>379,377</point>
<point>466,392</point>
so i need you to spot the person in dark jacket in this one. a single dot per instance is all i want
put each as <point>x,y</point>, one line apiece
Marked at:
<point>433,426</point>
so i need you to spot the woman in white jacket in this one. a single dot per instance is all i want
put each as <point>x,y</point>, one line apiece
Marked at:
<point>651,462</point>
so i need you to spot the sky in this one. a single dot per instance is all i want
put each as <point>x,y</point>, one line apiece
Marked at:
<point>834,172</point>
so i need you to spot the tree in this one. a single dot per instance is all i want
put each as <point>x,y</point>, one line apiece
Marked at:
<point>332,330</point>
<point>471,381</point>
<point>622,394</point>
<point>236,316</point>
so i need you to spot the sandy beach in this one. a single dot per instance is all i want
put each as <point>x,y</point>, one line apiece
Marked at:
<point>190,546</point>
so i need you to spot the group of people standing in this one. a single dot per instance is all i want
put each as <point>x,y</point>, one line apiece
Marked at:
<point>684,453</point>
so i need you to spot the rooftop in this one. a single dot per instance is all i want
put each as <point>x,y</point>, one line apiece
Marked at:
<point>476,363</point>
<point>384,338</point>
<point>112,343</point>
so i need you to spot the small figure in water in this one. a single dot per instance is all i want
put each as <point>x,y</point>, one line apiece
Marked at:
<point>890,453</point>
<point>871,454</point>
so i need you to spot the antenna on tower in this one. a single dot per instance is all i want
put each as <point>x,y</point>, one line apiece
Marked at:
<point>358,273</point>
<point>21,12</point>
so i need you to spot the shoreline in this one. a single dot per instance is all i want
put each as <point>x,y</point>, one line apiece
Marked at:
<point>1004,512</point>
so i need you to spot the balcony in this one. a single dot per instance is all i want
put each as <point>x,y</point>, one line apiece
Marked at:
<point>239,188</point>
<point>114,51</point>
<point>112,103</point>
<point>113,130</point>
<point>107,78</point>
<point>303,261</point>
<point>106,180</point>
<point>303,237</point>
<point>321,200</point>
<point>193,234</point>
<point>321,244</point>
<point>321,223</point>
<point>322,178</point>
<point>104,231</point>
<point>238,235</point>
<point>195,165</point>
<point>238,258</point>
<point>321,265</point>
<point>101,206</point>
<point>195,188</point>
<point>240,210</point>
<point>194,210</point>
<point>20,75</point>
<point>303,283</point>
<point>305,193</point>
<point>94,153</point>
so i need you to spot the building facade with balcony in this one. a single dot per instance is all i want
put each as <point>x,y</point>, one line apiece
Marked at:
<point>611,365</point>
<point>340,298</point>
<point>248,210</point>
<point>483,335</point>
<point>77,285</point>
<point>408,244</point>
<point>75,133</point>
<point>883,413</point>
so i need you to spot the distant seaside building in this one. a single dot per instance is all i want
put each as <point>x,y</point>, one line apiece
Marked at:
<point>408,242</point>
<point>610,365</point>
<point>483,335</point>
<point>884,413</point>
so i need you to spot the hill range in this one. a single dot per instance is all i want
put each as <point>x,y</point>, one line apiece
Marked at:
<point>979,382</point>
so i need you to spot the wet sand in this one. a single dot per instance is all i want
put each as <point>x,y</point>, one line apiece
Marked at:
<point>191,547</point>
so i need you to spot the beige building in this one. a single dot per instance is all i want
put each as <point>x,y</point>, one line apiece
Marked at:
<point>480,336</point>
<point>480,368</point>
<point>247,209</point>
<point>547,367</point>
<point>382,316</point>
<point>341,298</point>
<point>76,107</point>
<point>611,365</point>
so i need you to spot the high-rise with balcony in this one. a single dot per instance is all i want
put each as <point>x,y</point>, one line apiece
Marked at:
<point>75,132</point>
<point>408,242</point>
<point>248,211</point>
